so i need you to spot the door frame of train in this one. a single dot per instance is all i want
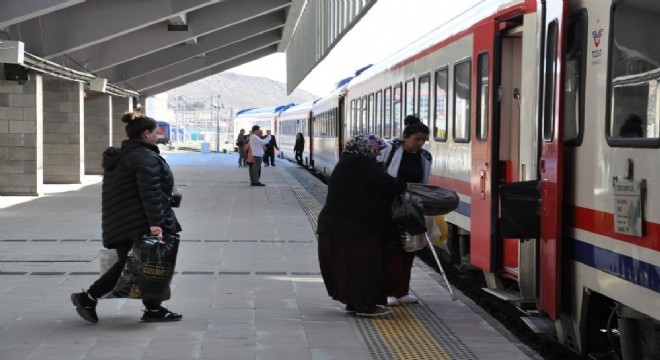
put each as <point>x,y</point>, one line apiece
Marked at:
<point>483,240</point>
<point>554,14</point>
<point>341,107</point>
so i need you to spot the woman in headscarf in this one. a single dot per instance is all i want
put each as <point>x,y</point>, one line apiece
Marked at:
<point>354,227</point>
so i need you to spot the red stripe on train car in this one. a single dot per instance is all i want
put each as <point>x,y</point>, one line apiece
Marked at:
<point>602,223</point>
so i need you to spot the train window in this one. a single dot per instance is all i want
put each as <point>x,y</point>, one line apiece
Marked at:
<point>482,96</point>
<point>462,90</point>
<point>396,112</point>
<point>424,95</point>
<point>410,98</point>
<point>351,120</point>
<point>364,125</point>
<point>372,127</point>
<point>634,119</point>
<point>379,113</point>
<point>549,83</point>
<point>440,117</point>
<point>387,113</point>
<point>574,79</point>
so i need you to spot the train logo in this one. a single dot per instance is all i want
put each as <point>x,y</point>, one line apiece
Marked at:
<point>597,34</point>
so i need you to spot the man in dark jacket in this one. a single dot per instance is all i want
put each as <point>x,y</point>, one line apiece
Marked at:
<point>269,156</point>
<point>241,141</point>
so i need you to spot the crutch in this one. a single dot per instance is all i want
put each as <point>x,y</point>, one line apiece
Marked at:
<point>442,271</point>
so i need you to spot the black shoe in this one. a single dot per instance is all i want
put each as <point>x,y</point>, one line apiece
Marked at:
<point>371,311</point>
<point>257,184</point>
<point>273,165</point>
<point>85,306</point>
<point>351,308</point>
<point>160,315</point>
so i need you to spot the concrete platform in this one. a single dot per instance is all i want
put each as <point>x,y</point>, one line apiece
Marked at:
<point>247,283</point>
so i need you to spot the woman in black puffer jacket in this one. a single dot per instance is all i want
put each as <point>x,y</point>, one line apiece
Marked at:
<point>135,201</point>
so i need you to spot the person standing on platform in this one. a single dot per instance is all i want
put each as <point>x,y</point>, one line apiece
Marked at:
<point>354,227</point>
<point>269,156</point>
<point>257,145</point>
<point>137,184</point>
<point>299,147</point>
<point>241,140</point>
<point>407,161</point>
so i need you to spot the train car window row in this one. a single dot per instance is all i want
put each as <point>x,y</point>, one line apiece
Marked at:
<point>396,112</point>
<point>387,113</point>
<point>482,96</point>
<point>440,117</point>
<point>410,97</point>
<point>462,95</point>
<point>325,124</point>
<point>634,75</point>
<point>424,94</point>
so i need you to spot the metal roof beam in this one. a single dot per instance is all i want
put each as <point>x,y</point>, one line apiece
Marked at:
<point>14,12</point>
<point>160,88</point>
<point>212,58</point>
<point>156,37</point>
<point>215,40</point>
<point>321,26</point>
<point>93,22</point>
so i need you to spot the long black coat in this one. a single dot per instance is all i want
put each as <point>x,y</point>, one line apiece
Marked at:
<point>137,183</point>
<point>353,229</point>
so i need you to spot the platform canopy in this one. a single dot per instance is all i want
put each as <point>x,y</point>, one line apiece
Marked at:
<point>147,47</point>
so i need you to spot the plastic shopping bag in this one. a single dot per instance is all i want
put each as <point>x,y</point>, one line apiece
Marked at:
<point>149,269</point>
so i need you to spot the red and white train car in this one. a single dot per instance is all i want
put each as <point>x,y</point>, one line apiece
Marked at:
<point>545,118</point>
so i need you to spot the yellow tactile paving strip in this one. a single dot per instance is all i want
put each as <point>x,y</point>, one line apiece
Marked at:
<point>406,337</point>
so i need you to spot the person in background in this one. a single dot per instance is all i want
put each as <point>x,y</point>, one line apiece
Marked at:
<point>269,156</point>
<point>257,145</point>
<point>354,227</point>
<point>299,147</point>
<point>249,159</point>
<point>137,183</point>
<point>632,127</point>
<point>407,161</point>
<point>241,140</point>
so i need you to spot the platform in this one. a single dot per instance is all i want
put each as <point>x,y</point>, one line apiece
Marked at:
<point>248,283</point>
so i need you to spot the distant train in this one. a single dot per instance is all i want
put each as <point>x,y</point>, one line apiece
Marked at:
<point>163,131</point>
<point>545,118</point>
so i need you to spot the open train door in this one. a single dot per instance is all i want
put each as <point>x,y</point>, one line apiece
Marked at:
<point>483,144</point>
<point>551,161</point>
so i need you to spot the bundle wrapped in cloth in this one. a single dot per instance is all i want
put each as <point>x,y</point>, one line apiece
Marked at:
<point>435,200</point>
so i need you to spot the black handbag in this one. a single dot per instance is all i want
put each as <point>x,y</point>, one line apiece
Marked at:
<point>408,213</point>
<point>435,200</point>
<point>175,198</point>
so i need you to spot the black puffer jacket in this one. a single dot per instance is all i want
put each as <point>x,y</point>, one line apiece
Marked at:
<point>136,186</point>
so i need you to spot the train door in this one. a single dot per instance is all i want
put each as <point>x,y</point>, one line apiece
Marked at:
<point>482,228</point>
<point>551,159</point>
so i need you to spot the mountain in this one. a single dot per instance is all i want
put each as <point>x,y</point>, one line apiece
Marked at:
<point>237,92</point>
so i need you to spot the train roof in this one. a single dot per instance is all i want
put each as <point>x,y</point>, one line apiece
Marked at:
<point>264,110</point>
<point>454,26</point>
<point>300,107</point>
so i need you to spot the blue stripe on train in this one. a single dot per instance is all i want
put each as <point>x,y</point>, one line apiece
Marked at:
<point>625,267</point>
<point>463,208</point>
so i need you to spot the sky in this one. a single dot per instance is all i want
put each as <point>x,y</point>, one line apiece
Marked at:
<point>373,38</point>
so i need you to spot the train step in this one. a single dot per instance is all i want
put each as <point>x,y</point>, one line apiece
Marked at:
<point>510,296</point>
<point>540,325</point>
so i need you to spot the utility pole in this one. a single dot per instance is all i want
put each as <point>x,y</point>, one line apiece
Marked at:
<point>217,128</point>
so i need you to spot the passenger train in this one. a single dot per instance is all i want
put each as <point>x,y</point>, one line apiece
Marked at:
<point>545,118</point>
